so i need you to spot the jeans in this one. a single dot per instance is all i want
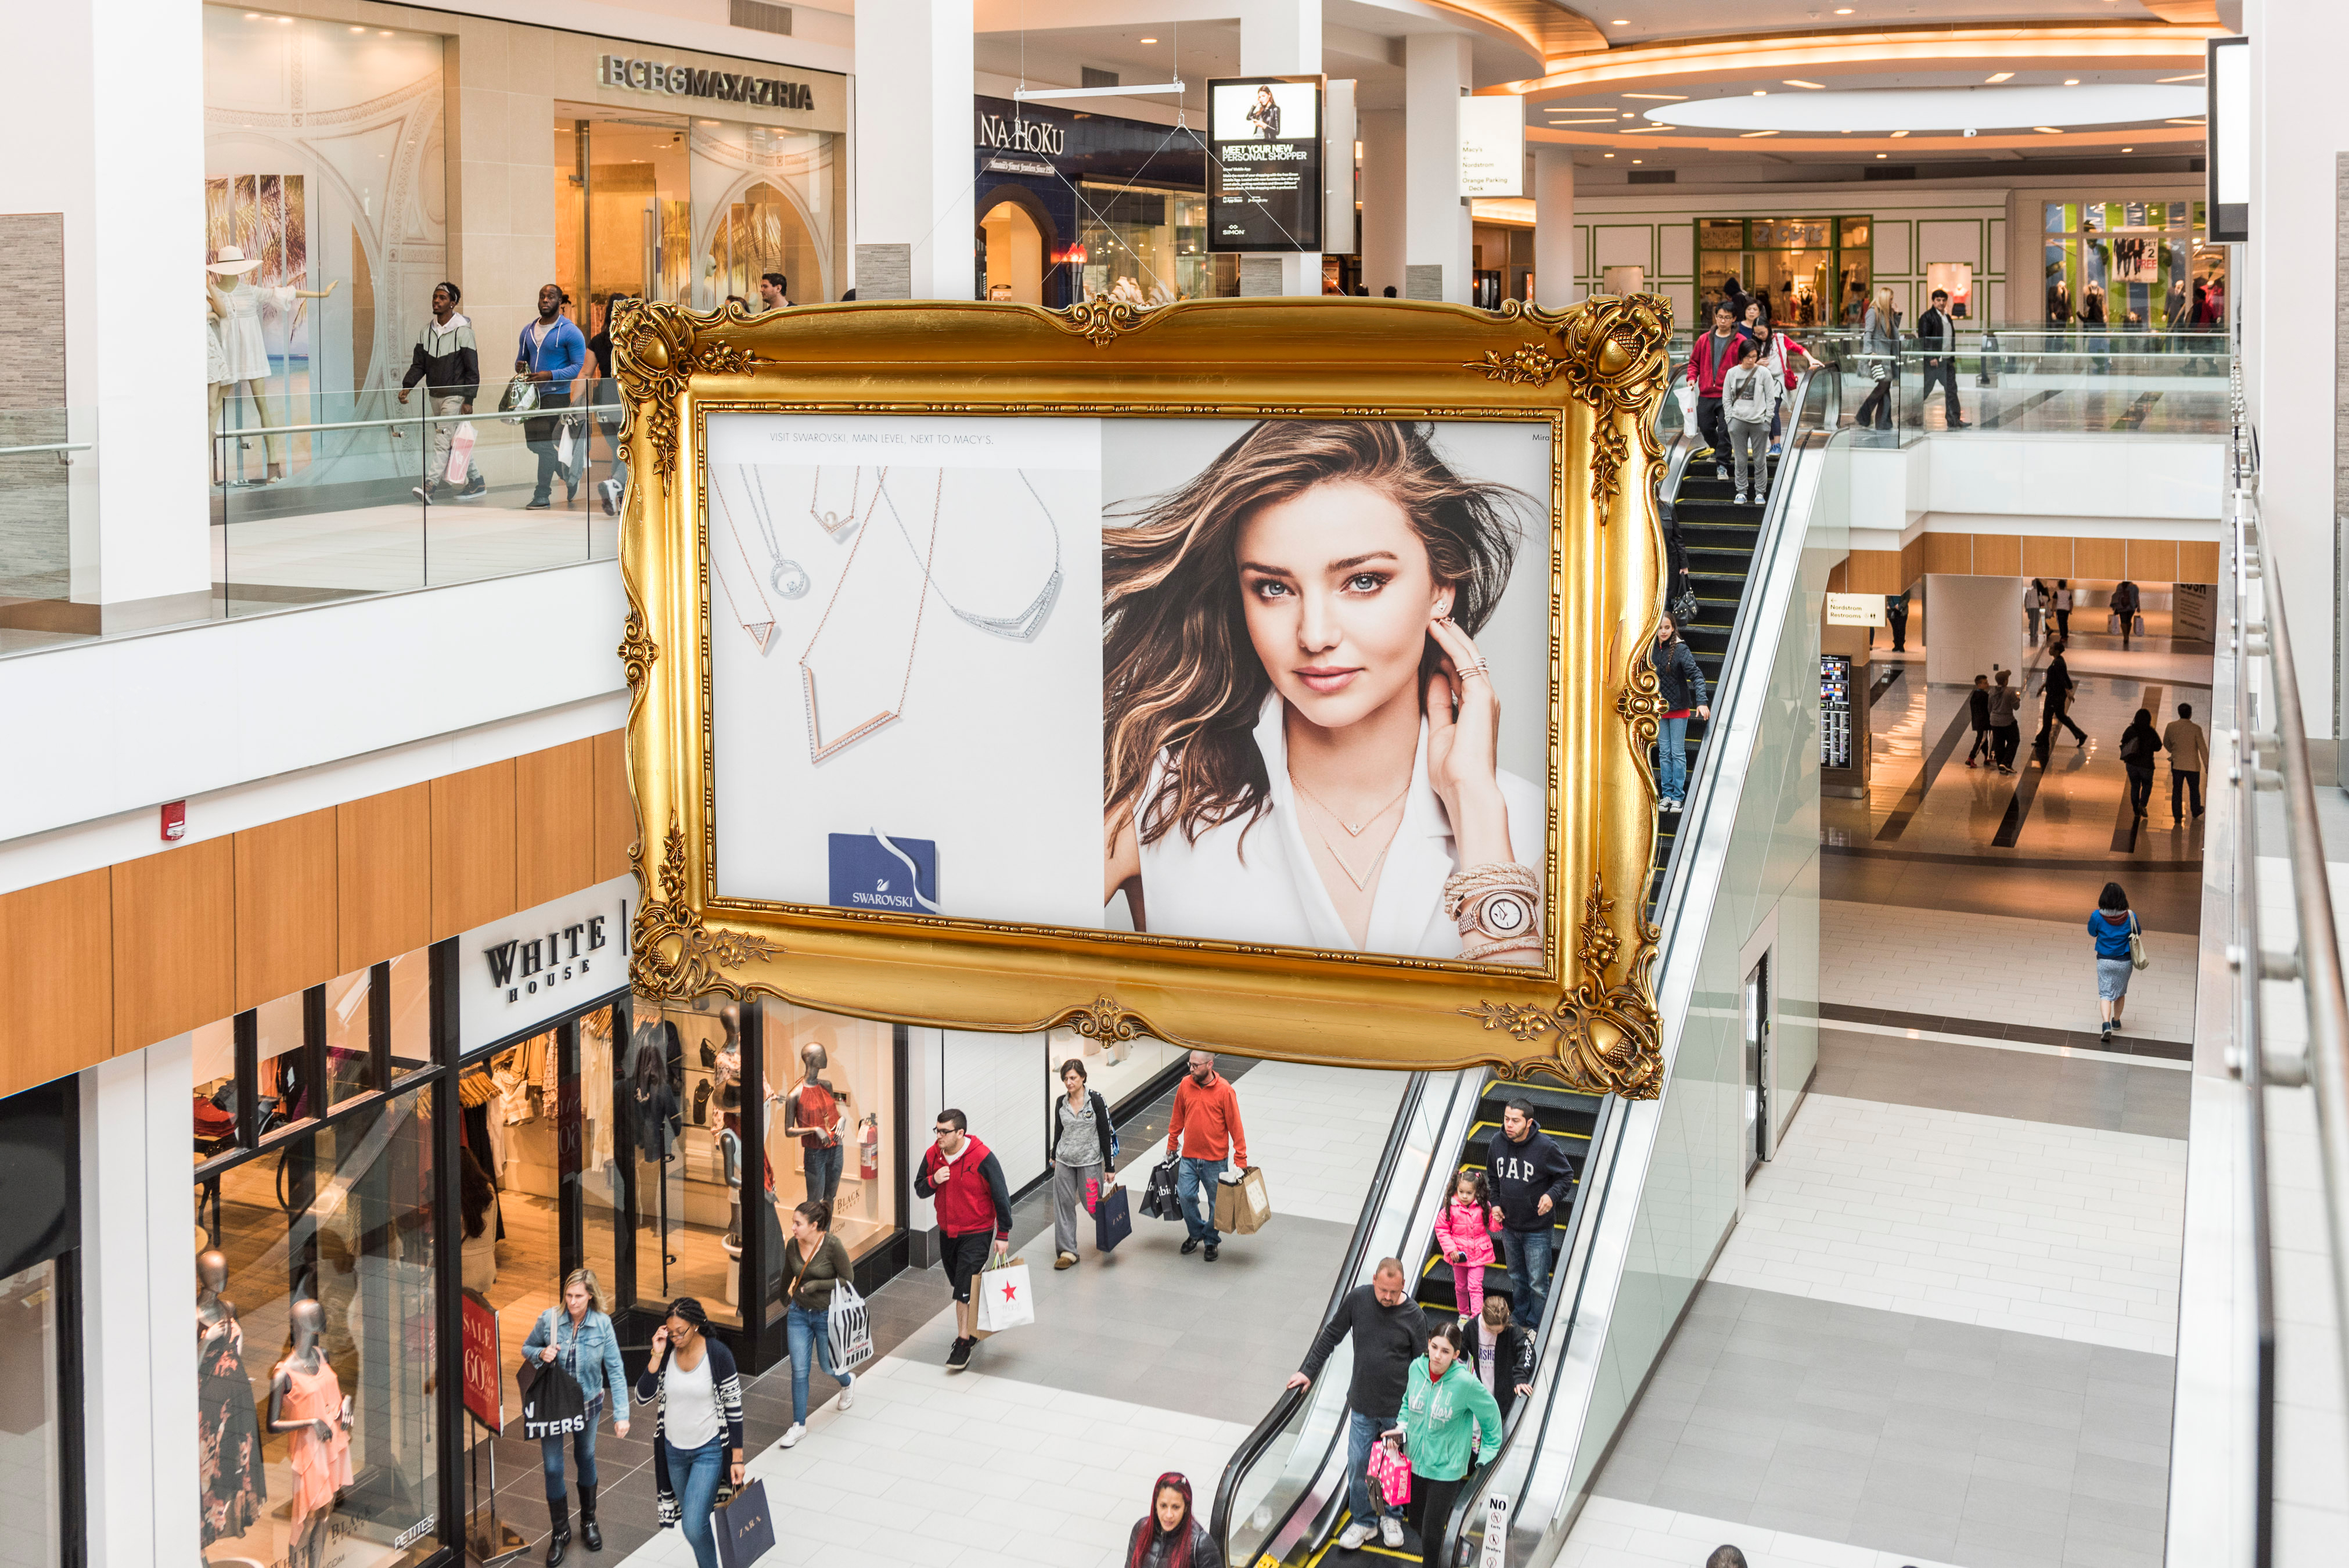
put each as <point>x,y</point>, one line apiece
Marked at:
<point>2140,787</point>
<point>1198,1219</point>
<point>583,1448</point>
<point>807,1333</point>
<point>1362,1430</point>
<point>695,1474</point>
<point>2190,783</point>
<point>1749,444</point>
<point>1529,1255</point>
<point>544,437</point>
<point>1671,758</point>
<point>823,1168</point>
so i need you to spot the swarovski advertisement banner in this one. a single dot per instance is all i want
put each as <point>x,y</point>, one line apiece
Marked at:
<point>1264,163</point>
<point>1269,681</point>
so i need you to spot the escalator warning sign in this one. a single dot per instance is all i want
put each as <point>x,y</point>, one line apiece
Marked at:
<point>1496,1531</point>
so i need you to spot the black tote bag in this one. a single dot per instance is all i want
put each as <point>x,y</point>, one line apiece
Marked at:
<point>551,1405</point>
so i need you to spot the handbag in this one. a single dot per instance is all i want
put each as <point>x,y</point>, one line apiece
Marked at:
<point>551,1405</point>
<point>744,1526</point>
<point>849,1327</point>
<point>1112,1220</point>
<point>1005,1300</point>
<point>1389,1470</point>
<point>2138,957</point>
<point>1684,606</point>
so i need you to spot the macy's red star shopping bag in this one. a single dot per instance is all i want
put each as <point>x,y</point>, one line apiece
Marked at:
<point>1005,1300</point>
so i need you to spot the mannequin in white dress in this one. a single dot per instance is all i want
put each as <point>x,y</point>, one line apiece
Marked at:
<point>1300,732</point>
<point>244,352</point>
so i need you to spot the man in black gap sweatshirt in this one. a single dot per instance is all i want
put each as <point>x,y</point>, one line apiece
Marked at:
<point>1390,1332</point>
<point>1532,1181</point>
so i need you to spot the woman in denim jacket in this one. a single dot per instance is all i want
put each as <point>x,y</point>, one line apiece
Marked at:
<point>580,1335</point>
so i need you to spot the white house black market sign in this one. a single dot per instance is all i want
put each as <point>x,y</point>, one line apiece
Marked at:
<point>540,963</point>
<point>693,81</point>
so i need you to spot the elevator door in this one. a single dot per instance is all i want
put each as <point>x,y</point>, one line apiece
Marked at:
<point>1756,1012</point>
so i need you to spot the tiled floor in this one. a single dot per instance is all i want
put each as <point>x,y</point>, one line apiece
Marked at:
<point>1612,1533</point>
<point>2063,1231</point>
<point>2114,1096</point>
<point>379,549</point>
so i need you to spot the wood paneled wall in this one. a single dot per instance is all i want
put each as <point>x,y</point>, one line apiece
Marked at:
<point>2025,555</point>
<point>116,959</point>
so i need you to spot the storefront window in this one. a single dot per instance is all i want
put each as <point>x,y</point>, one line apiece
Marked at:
<point>31,1440</point>
<point>2133,266</point>
<point>1156,238</point>
<point>840,1086</point>
<point>315,1288</point>
<point>695,1191</point>
<point>1814,271</point>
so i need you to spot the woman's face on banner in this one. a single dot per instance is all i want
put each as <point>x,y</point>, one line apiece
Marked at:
<point>1338,592</point>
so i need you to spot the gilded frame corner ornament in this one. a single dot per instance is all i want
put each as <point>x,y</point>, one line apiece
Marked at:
<point>1594,375</point>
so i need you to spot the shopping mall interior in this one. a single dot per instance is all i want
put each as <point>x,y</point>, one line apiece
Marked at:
<point>1797,1014</point>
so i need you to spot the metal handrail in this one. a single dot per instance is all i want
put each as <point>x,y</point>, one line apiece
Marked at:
<point>420,418</point>
<point>52,446</point>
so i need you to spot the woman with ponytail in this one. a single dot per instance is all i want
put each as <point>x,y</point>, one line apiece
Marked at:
<point>1171,1536</point>
<point>815,1262</point>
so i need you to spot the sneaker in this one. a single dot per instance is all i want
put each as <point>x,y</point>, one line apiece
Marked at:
<point>1391,1531</point>
<point>1212,1252</point>
<point>608,493</point>
<point>1738,500</point>
<point>1190,1246</point>
<point>791,1436</point>
<point>1773,448</point>
<point>959,1357</point>
<point>2004,769</point>
<point>1972,763</point>
<point>848,1395</point>
<point>1721,471</point>
<point>1355,1534</point>
<point>475,490</point>
<point>2109,1034</point>
<point>538,503</point>
<point>1065,1261</point>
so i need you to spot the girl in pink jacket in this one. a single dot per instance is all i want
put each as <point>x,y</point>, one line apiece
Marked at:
<point>1465,1230</point>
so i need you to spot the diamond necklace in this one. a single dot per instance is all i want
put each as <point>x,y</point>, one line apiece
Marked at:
<point>819,748</point>
<point>790,579</point>
<point>833,523</point>
<point>762,631</point>
<point>1353,830</point>
<point>1360,879</point>
<point>1020,627</point>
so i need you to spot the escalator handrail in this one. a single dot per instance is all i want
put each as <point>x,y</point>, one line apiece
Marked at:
<point>1252,1447</point>
<point>1683,447</point>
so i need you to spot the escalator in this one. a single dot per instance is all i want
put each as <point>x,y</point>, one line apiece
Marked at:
<point>1280,1502</point>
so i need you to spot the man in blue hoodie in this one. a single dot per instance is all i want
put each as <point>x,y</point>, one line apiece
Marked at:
<point>1532,1182</point>
<point>551,352</point>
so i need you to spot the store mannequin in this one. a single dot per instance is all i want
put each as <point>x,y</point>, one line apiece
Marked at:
<point>228,1437</point>
<point>245,351</point>
<point>730,1162</point>
<point>307,1402</point>
<point>813,1113</point>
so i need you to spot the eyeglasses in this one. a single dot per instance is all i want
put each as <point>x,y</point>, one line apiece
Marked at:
<point>942,1132</point>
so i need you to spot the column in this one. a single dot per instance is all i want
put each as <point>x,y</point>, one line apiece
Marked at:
<point>913,152</point>
<point>1437,242</point>
<point>1384,181</point>
<point>1281,38</point>
<point>1553,280</point>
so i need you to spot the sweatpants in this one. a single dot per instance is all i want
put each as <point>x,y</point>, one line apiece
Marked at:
<point>1075,1189</point>
<point>1749,440</point>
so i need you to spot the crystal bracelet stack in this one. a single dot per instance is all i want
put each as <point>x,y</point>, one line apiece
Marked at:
<point>1497,905</point>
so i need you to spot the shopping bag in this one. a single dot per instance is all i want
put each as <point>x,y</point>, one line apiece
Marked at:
<point>2138,957</point>
<point>2112,626</point>
<point>460,454</point>
<point>1242,1204</point>
<point>563,446</point>
<point>1686,394</point>
<point>1162,1200</point>
<point>521,395</point>
<point>1112,1220</point>
<point>551,1405</point>
<point>850,1328</point>
<point>2137,628</point>
<point>745,1527</point>
<point>1005,1300</point>
<point>1391,1473</point>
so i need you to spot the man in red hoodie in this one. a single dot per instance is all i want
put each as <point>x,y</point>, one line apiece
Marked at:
<point>974,1205</point>
<point>1710,358</point>
<point>1209,1113</point>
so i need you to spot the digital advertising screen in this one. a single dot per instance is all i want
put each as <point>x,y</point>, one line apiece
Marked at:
<point>1264,163</point>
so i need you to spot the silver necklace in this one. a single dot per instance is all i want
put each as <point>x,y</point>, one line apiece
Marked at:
<point>1020,627</point>
<point>790,579</point>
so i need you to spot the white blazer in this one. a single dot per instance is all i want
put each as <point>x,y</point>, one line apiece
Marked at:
<point>1269,890</point>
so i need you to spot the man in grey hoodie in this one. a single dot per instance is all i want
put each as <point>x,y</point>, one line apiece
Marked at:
<point>450,366</point>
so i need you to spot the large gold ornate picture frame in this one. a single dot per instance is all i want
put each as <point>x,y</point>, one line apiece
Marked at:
<point>1584,1015</point>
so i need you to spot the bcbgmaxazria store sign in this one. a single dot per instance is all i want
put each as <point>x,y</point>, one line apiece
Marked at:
<point>693,81</point>
<point>547,962</point>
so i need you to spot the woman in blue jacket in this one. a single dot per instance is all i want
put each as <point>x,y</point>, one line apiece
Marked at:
<point>551,352</point>
<point>2111,925</point>
<point>580,1335</point>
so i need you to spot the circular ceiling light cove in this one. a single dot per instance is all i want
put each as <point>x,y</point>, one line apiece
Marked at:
<point>1935,109</point>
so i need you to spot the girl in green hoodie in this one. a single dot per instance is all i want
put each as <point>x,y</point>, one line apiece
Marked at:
<point>1442,1401</point>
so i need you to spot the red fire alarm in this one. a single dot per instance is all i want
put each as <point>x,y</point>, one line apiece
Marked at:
<point>175,821</point>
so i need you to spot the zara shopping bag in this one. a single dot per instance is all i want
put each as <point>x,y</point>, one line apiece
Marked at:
<point>744,1526</point>
<point>1112,1220</point>
<point>1005,1300</point>
<point>1242,1204</point>
<point>851,1328</point>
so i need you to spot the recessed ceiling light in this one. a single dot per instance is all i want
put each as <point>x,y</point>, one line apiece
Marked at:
<point>2196,76</point>
<point>1636,129</point>
<point>2002,77</point>
<point>1620,22</point>
<point>1660,96</point>
<point>1626,115</point>
<point>2071,81</point>
<point>1606,155</point>
<point>2047,131</point>
<point>2189,122</point>
<point>1149,40</point>
<point>1638,160</point>
<point>1899,134</point>
<point>1843,10</point>
<point>1815,86</point>
<point>1760,92</point>
<point>2128,150</point>
<point>1884,155</point>
<point>1752,134</point>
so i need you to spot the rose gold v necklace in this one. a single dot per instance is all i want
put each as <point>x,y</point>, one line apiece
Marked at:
<point>818,747</point>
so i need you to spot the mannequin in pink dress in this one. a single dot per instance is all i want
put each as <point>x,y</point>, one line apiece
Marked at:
<point>306,1402</point>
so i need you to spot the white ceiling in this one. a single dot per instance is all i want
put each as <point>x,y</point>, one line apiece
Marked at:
<point>1651,21</point>
<point>1932,110</point>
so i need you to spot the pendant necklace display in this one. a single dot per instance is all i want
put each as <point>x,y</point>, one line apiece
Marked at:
<point>835,522</point>
<point>1020,627</point>
<point>790,579</point>
<point>1360,879</point>
<point>820,748</point>
<point>762,631</point>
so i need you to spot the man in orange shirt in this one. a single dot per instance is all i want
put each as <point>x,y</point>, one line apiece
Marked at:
<point>1207,1111</point>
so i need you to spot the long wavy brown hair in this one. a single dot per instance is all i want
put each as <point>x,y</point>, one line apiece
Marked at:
<point>1179,676</point>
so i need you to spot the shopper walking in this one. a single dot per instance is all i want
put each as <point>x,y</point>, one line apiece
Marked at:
<point>1778,355</point>
<point>1204,1131</point>
<point>2139,745</point>
<point>552,351</point>
<point>2035,599</point>
<point>1387,1330</point>
<point>1879,347</point>
<point>1465,1231</point>
<point>815,1261</point>
<point>974,1207</point>
<point>2111,925</point>
<point>1680,680</point>
<point>1978,718</point>
<point>1896,617</point>
<point>2005,727</point>
<point>449,364</point>
<point>2056,687</point>
<point>2063,608</point>
<point>1501,1355</point>
<point>580,1335</point>
<point>1532,1181</point>
<point>697,1398</point>
<point>2190,759</point>
<point>1170,1535</point>
<point>1936,339</point>
<point>1446,1418</point>
<point>1748,395</point>
<point>1711,359</point>
<point>2125,600</point>
<point>1085,1151</point>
